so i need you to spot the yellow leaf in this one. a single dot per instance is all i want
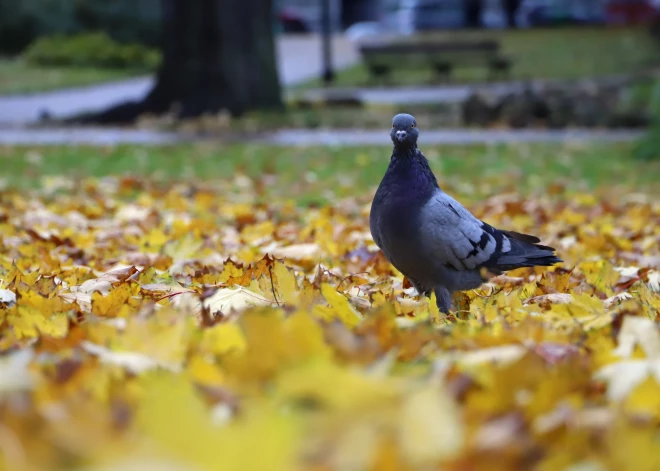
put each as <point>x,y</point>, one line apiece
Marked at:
<point>257,233</point>
<point>644,399</point>
<point>173,415</point>
<point>184,248</point>
<point>306,336</point>
<point>112,304</point>
<point>339,307</point>
<point>154,240</point>
<point>434,311</point>
<point>29,322</point>
<point>274,344</point>
<point>163,338</point>
<point>231,270</point>
<point>431,427</point>
<point>322,382</point>
<point>222,338</point>
<point>287,286</point>
<point>202,371</point>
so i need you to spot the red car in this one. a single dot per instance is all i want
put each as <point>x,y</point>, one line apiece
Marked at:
<point>292,22</point>
<point>631,11</point>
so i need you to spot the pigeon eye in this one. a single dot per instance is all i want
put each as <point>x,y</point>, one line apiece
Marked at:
<point>412,125</point>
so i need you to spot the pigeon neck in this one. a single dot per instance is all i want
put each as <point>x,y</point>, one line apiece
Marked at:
<point>410,170</point>
<point>405,152</point>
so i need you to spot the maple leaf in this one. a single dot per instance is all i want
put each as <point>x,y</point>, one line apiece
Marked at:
<point>227,300</point>
<point>339,307</point>
<point>7,298</point>
<point>199,325</point>
<point>133,362</point>
<point>14,371</point>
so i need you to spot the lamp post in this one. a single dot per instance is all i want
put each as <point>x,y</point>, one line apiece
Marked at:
<point>326,32</point>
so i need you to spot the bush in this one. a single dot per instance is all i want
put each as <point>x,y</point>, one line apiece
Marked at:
<point>22,21</point>
<point>648,148</point>
<point>590,104</point>
<point>90,50</point>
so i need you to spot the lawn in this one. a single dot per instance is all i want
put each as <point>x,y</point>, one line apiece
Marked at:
<point>17,77</point>
<point>312,172</point>
<point>206,307</point>
<point>566,53</point>
<point>539,53</point>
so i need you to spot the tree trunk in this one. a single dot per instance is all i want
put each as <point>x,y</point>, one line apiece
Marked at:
<point>473,10</point>
<point>217,55</point>
<point>510,11</point>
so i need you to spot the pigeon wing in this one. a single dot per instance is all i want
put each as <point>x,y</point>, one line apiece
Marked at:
<point>456,237</point>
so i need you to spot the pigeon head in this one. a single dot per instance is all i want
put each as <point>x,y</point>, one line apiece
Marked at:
<point>404,131</point>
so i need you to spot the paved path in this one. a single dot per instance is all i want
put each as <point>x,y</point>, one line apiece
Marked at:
<point>304,137</point>
<point>299,59</point>
<point>351,137</point>
<point>86,135</point>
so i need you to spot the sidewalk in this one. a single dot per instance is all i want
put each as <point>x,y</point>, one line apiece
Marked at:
<point>306,137</point>
<point>357,137</point>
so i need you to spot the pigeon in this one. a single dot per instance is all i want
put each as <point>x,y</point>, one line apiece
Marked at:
<point>430,237</point>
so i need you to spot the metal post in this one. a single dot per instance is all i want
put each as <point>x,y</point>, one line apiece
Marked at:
<point>328,74</point>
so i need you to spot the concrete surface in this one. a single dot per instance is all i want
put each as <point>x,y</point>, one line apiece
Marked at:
<point>305,137</point>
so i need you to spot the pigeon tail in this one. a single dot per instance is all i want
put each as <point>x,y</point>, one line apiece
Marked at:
<point>525,252</point>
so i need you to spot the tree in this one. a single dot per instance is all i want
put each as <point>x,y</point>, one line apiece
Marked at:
<point>217,54</point>
<point>510,10</point>
<point>473,10</point>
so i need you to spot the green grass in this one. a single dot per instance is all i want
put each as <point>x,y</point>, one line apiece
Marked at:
<point>18,77</point>
<point>316,174</point>
<point>563,53</point>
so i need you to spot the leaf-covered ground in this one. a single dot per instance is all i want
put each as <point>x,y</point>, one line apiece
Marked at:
<point>220,325</point>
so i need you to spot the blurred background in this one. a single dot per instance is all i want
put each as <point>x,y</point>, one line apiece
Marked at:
<point>319,72</point>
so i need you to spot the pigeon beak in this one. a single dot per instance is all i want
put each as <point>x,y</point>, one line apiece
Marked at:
<point>401,135</point>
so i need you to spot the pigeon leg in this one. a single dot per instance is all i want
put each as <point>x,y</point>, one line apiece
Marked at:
<point>443,298</point>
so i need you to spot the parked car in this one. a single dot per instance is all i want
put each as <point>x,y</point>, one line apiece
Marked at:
<point>565,12</point>
<point>631,11</point>
<point>424,15</point>
<point>304,16</point>
<point>292,21</point>
<point>411,16</point>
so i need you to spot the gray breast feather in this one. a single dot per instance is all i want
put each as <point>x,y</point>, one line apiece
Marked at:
<point>457,238</point>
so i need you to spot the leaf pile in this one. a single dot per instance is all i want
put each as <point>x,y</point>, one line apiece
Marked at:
<point>204,327</point>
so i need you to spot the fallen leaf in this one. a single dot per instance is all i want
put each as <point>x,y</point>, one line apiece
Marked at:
<point>431,427</point>
<point>15,373</point>
<point>7,298</point>
<point>134,362</point>
<point>227,300</point>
